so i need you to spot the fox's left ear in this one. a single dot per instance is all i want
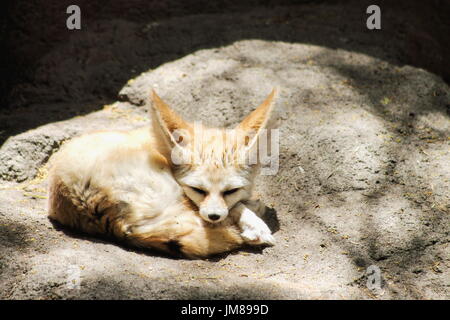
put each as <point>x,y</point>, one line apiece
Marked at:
<point>175,129</point>
<point>256,121</point>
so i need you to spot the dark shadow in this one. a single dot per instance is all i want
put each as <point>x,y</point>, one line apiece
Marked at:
<point>270,217</point>
<point>13,234</point>
<point>15,245</point>
<point>104,239</point>
<point>53,73</point>
<point>109,287</point>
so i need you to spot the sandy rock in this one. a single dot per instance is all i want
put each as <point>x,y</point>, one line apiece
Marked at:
<point>363,180</point>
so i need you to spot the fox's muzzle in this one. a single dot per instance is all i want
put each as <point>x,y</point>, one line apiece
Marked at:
<point>213,209</point>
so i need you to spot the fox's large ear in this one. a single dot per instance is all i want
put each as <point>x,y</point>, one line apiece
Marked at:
<point>175,129</point>
<point>257,120</point>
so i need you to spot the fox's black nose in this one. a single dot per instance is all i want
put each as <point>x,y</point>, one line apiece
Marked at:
<point>214,217</point>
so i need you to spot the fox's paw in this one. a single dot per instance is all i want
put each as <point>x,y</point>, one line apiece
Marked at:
<point>258,233</point>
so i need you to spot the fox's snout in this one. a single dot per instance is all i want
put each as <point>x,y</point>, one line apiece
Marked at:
<point>214,214</point>
<point>213,209</point>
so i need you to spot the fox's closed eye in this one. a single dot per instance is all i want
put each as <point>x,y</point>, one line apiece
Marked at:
<point>200,191</point>
<point>231,191</point>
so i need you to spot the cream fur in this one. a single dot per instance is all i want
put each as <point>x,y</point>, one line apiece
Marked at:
<point>125,185</point>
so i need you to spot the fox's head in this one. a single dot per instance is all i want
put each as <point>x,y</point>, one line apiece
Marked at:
<point>216,167</point>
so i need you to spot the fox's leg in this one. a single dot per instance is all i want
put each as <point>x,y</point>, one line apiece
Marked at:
<point>254,229</point>
<point>257,206</point>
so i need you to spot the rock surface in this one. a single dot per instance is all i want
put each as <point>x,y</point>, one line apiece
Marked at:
<point>363,180</point>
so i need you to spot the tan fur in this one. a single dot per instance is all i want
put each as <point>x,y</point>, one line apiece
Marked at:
<point>126,186</point>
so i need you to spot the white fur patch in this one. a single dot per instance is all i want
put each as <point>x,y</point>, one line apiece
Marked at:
<point>254,229</point>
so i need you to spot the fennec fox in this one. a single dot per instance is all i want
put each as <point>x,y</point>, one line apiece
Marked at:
<point>132,186</point>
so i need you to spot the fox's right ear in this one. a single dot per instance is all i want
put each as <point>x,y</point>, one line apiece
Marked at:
<point>257,120</point>
<point>175,129</point>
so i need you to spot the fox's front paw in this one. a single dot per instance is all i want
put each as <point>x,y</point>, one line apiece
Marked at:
<point>257,233</point>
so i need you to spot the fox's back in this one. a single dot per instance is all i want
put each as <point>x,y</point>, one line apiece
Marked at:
<point>125,170</point>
